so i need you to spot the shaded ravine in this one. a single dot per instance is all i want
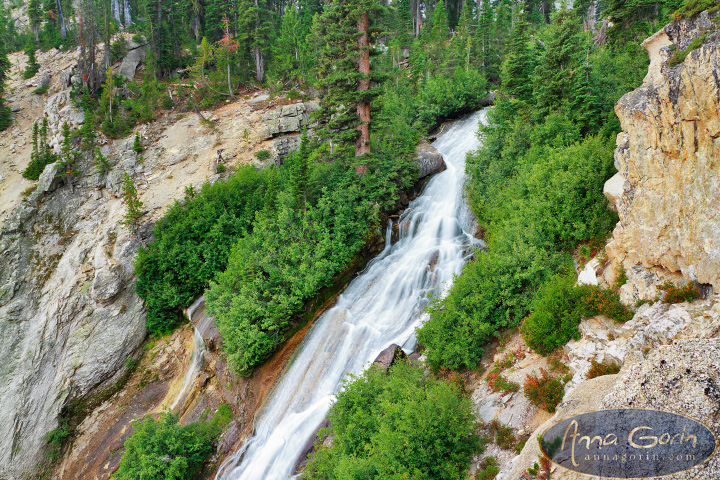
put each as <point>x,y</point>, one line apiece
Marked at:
<point>383,305</point>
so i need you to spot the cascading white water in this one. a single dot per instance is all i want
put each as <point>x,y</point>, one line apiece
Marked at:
<point>381,306</point>
<point>198,354</point>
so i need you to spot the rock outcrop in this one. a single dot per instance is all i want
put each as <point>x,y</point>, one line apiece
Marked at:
<point>666,190</point>
<point>69,316</point>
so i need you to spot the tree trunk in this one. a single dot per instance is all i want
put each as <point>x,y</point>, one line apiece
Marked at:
<point>230,89</point>
<point>128,17</point>
<point>61,20</point>
<point>259,64</point>
<point>115,9</point>
<point>362,145</point>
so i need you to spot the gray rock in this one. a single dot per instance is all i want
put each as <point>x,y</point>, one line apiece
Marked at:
<point>429,159</point>
<point>389,356</point>
<point>107,283</point>
<point>134,57</point>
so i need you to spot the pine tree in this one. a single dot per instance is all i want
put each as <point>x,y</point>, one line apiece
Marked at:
<point>133,205</point>
<point>137,144</point>
<point>35,15</point>
<point>5,114</point>
<point>300,177</point>
<point>32,65</point>
<point>553,79</point>
<point>463,41</point>
<point>286,50</point>
<point>519,65</point>
<point>341,35</point>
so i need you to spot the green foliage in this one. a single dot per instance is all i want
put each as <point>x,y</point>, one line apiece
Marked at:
<point>102,164</point>
<point>598,369</point>
<point>192,244</point>
<point>502,435</point>
<point>42,155</point>
<point>557,310</point>
<point>137,144</point>
<point>133,205</point>
<point>262,155</point>
<point>165,450</point>
<point>32,65</point>
<point>42,89</point>
<point>678,56</point>
<point>304,236</point>
<point>679,294</point>
<point>544,392</point>
<point>5,112</point>
<point>488,469</point>
<point>690,8</point>
<point>55,439</point>
<point>118,49</point>
<point>400,424</point>
<point>556,315</point>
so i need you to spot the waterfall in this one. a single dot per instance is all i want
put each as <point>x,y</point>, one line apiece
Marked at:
<point>381,306</point>
<point>198,354</point>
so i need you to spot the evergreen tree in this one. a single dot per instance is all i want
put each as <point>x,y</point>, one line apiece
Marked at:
<point>554,76</point>
<point>463,42</point>
<point>137,144</point>
<point>35,16</point>
<point>133,205</point>
<point>519,65</point>
<point>32,65</point>
<point>5,120</point>
<point>341,34</point>
<point>300,177</point>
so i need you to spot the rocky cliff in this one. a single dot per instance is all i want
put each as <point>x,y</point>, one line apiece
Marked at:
<point>666,191</point>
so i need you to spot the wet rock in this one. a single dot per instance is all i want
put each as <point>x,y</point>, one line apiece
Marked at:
<point>229,438</point>
<point>429,159</point>
<point>389,356</point>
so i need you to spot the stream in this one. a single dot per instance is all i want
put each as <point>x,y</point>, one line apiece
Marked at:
<point>381,306</point>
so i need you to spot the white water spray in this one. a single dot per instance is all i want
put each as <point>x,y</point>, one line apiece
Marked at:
<point>383,305</point>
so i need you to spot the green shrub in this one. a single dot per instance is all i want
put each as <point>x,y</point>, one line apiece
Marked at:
<point>118,49</point>
<point>556,316</point>
<point>599,301</point>
<point>502,435</point>
<point>691,8</point>
<point>42,155</point>
<point>137,144</point>
<point>400,424</point>
<point>498,383</point>
<point>678,56</point>
<point>192,244</point>
<point>55,439</point>
<point>544,392</point>
<point>262,155</point>
<point>163,449</point>
<point>679,294</point>
<point>598,369</point>
<point>220,168</point>
<point>488,469</point>
<point>42,89</point>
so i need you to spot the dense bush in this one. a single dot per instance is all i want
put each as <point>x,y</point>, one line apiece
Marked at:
<point>400,424</point>
<point>165,450</point>
<point>679,294</point>
<point>555,317</point>
<point>558,308</point>
<point>193,242</point>
<point>301,240</point>
<point>545,392</point>
<point>598,369</point>
<point>554,200</point>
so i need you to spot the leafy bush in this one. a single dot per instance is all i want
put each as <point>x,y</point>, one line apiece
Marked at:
<point>42,89</point>
<point>691,8</point>
<point>56,438</point>
<point>192,244</point>
<point>544,392</point>
<point>598,369</point>
<point>165,450</point>
<point>502,435</point>
<point>500,384</point>
<point>262,155</point>
<point>400,424</point>
<point>678,56</point>
<point>679,294</point>
<point>558,308</point>
<point>555,317</point>
<point>598,301</point>
<point>488,469</point>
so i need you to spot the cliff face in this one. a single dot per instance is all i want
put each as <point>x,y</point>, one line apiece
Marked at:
<point>667,189</point>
